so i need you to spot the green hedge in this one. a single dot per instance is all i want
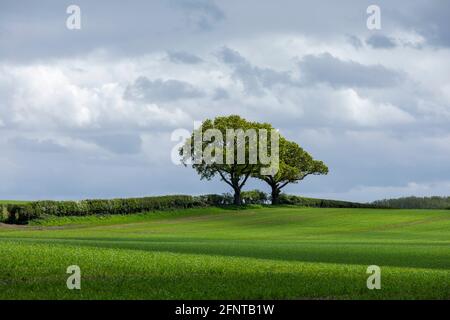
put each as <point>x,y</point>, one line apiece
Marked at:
<point>21,213</point>
<point>3,212</point>
<point>248,197</point>
<point>216,199</point>
<point>254,197</point>
<point>320,203</point>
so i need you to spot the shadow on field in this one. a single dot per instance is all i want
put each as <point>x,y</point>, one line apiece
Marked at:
<point>414,255</point>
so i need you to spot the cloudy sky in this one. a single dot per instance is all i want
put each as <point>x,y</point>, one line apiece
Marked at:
<point>90,112</point>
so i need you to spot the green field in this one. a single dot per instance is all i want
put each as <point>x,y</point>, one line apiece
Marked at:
<point>12,202</point>
<point>256,253</point>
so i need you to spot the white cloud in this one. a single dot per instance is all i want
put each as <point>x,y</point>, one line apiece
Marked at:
<point>42,97</point>
<point>364,112</point>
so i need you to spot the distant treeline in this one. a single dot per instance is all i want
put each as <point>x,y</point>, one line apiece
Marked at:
<point>415,203</point>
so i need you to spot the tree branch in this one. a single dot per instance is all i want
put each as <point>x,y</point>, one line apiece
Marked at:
<point>294,180</point>
<point>245,180</point>
<point>283,185</point>
<point>224,179</point>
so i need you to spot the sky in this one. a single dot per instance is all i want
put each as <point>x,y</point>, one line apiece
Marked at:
<point>89,112</point>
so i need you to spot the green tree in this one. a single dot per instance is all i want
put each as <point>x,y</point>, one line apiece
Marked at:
<point>215,140</point>
<point>295,165</point>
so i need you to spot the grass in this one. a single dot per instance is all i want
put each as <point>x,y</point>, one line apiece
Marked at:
<point>257,253</point>
<point>12,202</point>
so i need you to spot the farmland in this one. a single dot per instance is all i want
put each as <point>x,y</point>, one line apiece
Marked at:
<point>214,253</point>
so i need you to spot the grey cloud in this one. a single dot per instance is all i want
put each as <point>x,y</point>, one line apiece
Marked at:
<point>220,94</point>
<point>120,143</point>
<point>144,89</point>
<point>203,14</point>
<point>428,18</point>
<point>325,68</point>
<point>37,146</point>
<point>232,57</point>
<point>355,41</point>
<point>183,57</point>
<point>36,30</point>
<point>254,78</point>
<point>379,41</point>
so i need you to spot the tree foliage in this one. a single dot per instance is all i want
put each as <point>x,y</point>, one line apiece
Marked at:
<point>295,164</point>
<point>233,173</point>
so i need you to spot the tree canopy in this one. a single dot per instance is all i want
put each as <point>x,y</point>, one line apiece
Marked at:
<point>225,147</point>
<point>235,149</point>
<point>295,164</point>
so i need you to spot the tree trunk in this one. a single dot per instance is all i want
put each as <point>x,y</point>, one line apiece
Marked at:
<point>275,194</point>
<point>237,196</point>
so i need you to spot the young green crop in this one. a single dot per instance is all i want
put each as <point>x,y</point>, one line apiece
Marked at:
<point>260,253</point>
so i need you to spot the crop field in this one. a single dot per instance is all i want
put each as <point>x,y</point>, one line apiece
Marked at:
<point>213,253</point>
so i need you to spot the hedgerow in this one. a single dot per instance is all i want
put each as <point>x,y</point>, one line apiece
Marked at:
<point>320,203</point>
<point>21,213</point>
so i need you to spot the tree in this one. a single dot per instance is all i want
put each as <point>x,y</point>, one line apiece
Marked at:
<point>295,165</point>
<point>211,155</point>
